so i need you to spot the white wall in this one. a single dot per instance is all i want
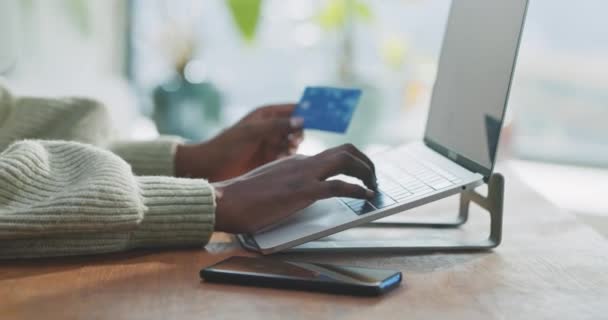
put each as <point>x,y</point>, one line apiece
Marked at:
<point>54,46</point>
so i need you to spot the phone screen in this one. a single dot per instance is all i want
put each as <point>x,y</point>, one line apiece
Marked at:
<point>271,268</point>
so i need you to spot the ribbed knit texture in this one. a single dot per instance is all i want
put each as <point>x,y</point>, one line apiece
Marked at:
<point>80,120</point>
<point>147,158</point>
<point>66,198</point>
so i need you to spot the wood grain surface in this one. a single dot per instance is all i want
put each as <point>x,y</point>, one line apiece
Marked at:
<point>550,266</point>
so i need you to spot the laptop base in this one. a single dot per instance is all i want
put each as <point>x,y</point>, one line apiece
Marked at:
<point>492,204</point>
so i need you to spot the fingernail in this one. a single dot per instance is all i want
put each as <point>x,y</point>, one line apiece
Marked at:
<point>370,193</point>
<point>296,122</point>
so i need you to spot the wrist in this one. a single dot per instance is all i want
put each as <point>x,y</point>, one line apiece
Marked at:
<point>220,216</point>
<point>191,161</point>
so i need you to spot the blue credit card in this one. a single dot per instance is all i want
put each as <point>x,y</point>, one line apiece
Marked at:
<point>327,108</point>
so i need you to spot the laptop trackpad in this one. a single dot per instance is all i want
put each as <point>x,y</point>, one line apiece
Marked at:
<point>320,216</point>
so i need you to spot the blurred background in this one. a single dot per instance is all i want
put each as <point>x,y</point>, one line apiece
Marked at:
<point>189,68</point>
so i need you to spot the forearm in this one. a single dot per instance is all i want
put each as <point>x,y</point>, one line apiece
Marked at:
<point>149,158</point>
<point>59,198</point>
<point>80,120</point>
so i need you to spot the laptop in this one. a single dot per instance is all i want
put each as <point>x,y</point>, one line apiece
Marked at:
<point>458,151</point>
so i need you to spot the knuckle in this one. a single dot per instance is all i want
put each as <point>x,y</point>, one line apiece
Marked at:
<point>361,191</point>
<point>350,147</point>
<point>343,157</point>
<point>335,186</point>
<point>333,150</point>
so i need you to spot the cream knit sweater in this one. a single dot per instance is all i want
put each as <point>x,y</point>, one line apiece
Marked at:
<point>67,189</point>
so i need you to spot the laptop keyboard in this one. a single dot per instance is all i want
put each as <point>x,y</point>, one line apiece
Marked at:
<point>400,181</point>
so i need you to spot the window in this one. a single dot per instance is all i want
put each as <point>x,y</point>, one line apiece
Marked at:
<point>559,101</point>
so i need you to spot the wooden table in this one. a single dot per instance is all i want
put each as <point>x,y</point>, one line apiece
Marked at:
<point>550,266</point>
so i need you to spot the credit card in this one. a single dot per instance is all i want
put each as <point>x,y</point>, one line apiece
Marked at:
<point>327,108</point>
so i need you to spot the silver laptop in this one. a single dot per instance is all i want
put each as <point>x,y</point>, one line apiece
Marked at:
<point>459,147</point>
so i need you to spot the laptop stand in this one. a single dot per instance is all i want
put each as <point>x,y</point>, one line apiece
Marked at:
<point>492,203</point>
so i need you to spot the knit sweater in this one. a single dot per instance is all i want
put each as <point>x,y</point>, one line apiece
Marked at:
<point>66,188</point>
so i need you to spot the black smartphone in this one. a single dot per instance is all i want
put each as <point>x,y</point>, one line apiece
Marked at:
<point>265,272</point>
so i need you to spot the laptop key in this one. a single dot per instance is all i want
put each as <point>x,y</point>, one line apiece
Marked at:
<point>417,187</point>
<point>441,184</point>
<point>349,201</point>
<point>435,179</point>
<point>385,187</point>
<point>381,200</point>
<point>394,195</point>
<point>405,197</point>
<point>361,207</point>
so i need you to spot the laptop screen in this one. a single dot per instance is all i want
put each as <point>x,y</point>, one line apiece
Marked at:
<point>473,80</point>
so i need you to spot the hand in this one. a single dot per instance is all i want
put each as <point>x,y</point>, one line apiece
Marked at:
<point>271,193</point>
<point>264,135</point>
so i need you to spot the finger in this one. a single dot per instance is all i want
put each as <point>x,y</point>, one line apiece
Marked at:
<point>297,136</point>
<point>277,110</point>
<point>342,162</point>
<point>286,148</point>
<point>292,149</point>
<point>338,188</point>
<point>287,153</point>
<point>284,155</point>
<point>278,148</point>
<point>270,166</point>
<point>282,143</point>
<point>292,144</point>
<point>350,148</point>
<point>277,128</point>
<point>294,141</point>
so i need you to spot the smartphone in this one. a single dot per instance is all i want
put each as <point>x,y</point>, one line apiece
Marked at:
<point>265,272</point>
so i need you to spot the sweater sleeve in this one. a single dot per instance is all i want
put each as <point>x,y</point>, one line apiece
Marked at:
<point>153,158</point>
<point>80,120</point>
<point>65,198</point>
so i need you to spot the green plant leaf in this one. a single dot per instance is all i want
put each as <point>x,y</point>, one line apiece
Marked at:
<point>394,52</point>
<point>246,15</point>
<point>335,13</point>
<point>363,11</point>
